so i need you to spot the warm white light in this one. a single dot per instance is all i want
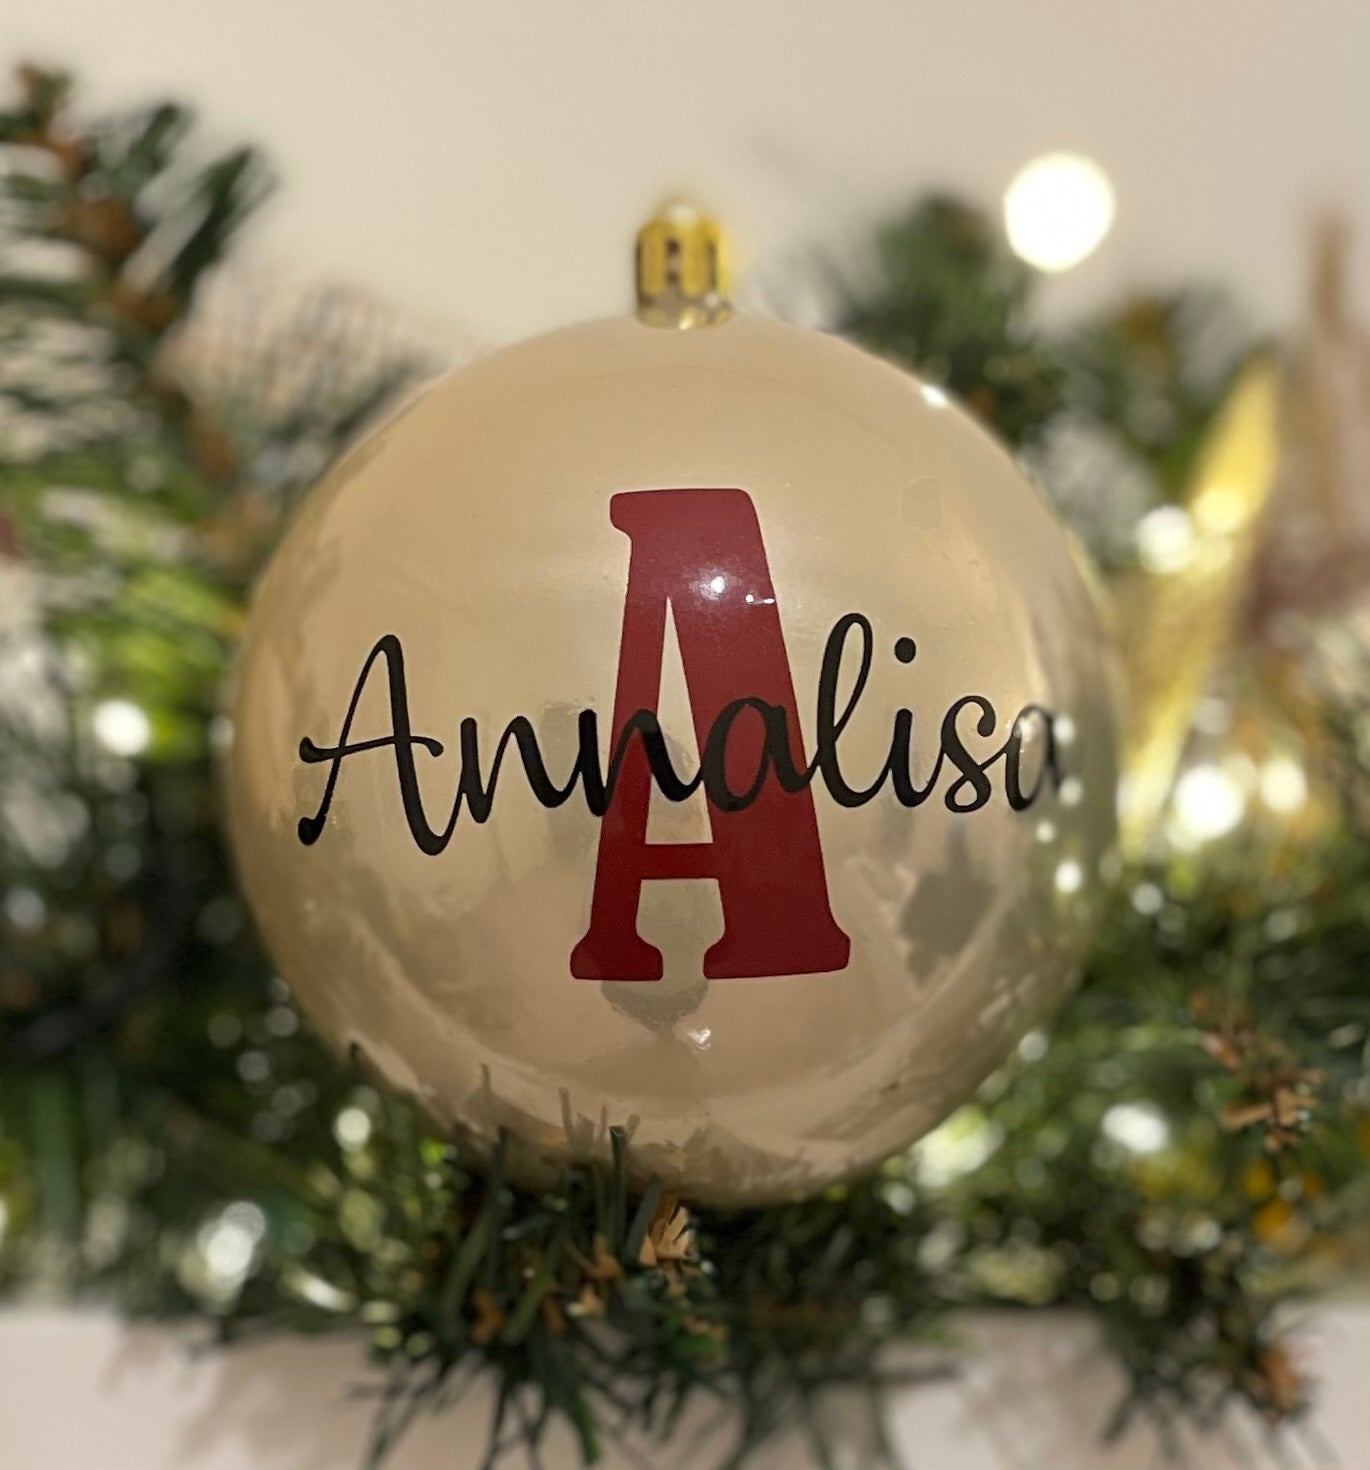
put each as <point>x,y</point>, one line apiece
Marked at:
<point>934,397</point>
<point>959,1146</point>
<point>121,727</point>
<point>1069,876</point>
<point>352,1128</point>
<point>1057,211</point>
<point>1208,803</point>
<point>1165,539</point>
<point>229,1243</point>
<point>1138,1127</point>
<point>1284,787</point>
<point>322,1293</point>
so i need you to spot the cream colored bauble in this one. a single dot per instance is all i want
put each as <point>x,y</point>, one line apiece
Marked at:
<point>706,733</point>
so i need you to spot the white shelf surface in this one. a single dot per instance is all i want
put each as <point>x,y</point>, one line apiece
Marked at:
<point>83,1391</point>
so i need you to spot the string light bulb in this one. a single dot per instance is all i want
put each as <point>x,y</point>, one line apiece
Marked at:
<point>1058,210</point>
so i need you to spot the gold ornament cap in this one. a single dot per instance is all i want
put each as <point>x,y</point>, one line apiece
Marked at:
<point>681,274</point>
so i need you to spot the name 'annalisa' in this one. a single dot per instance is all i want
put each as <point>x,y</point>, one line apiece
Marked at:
<point>779,754</point>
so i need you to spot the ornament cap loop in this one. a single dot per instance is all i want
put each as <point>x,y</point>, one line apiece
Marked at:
<point>681,274</point>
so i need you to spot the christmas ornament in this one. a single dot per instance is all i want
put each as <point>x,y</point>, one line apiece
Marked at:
<point>685,724</point>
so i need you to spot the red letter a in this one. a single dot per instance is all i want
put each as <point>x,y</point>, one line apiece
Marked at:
<point>701,551</point>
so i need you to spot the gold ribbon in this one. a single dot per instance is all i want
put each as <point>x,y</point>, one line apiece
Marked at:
<point>1175,625</point>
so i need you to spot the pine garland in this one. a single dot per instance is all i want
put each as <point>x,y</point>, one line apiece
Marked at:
<point>1182,1151</point>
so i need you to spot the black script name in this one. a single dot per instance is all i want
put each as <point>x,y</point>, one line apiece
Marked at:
<point>476,783</point>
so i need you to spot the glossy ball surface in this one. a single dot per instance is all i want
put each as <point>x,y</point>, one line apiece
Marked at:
<point>739,516</point>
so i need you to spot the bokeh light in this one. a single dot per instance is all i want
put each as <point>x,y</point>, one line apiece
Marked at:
<point>1057,211</point>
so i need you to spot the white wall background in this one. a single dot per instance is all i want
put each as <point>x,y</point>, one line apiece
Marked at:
<point>487,163</point>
